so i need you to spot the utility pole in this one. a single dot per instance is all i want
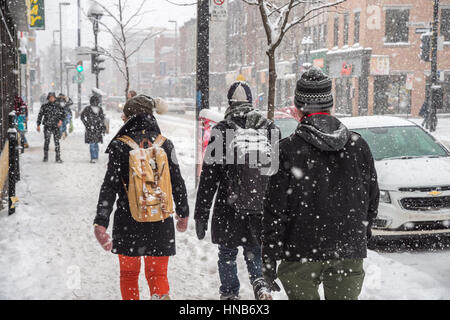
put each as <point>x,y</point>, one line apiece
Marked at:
<point>434,41</point>
<point>79,45</point>
<point>202,83</point>
<point>61,46</point>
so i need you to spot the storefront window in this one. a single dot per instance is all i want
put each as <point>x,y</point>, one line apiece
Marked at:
<point>343,101</point>
<point>391,95</point>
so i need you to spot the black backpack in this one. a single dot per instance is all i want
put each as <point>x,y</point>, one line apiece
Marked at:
<point>247,181</point>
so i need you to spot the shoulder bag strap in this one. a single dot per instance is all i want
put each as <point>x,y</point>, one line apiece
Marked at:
<point>130,142</point>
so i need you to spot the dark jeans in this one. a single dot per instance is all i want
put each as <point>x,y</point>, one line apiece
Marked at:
<point>48,132</point>
<point>228,269</point>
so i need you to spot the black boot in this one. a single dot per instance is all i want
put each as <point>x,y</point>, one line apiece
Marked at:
<point>58,159</point>
<point>45,157</point>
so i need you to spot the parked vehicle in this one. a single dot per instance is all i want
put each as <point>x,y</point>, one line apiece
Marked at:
<point>176,105</point>
<point>287,119</point>
<point>115,103</point>
<point>413,174</point>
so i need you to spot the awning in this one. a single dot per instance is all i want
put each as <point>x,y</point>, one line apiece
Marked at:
<point>19,11</point>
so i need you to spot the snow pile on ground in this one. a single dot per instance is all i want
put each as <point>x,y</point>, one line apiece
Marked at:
<point>48,250</point>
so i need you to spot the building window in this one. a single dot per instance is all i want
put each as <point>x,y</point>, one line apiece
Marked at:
<point>357,25</point>
<point>346,29</point>
<point>336,31</point>
<point>445,23</point>
<point>315,37</point>
<point>396,29</point>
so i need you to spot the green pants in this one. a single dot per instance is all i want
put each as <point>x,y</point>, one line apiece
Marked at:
<point>342,279</point>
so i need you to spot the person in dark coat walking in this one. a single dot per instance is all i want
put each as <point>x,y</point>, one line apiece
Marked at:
<point>131,240</point>
<point>231,229</point>
<point>65,103</point>
<point>51,115</point>
<point>321,203</point>
<point>93,119</point>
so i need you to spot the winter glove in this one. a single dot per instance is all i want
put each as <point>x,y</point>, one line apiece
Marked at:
<point>270,272</point>
<point>182,223</point>
<point>102,237</point>
<point>200,228</point>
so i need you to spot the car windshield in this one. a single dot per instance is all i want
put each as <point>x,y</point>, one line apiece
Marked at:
<point>287,126</point>
<point>401,143</point>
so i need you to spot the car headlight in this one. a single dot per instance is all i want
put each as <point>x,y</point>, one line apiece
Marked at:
<point>120,106</point>
<point>384,196</point>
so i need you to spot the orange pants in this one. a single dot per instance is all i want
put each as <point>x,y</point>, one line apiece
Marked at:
<point>155,272</point>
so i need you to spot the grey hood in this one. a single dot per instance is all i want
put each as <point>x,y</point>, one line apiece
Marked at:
<point>244,110</point>
<point>325,132</point>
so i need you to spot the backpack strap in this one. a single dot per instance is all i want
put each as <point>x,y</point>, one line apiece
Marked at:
<point>128,141</point>
<point>159,141</point>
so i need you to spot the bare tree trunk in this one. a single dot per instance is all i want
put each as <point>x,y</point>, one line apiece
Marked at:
<point>127,78</point>
<point>272,83</point>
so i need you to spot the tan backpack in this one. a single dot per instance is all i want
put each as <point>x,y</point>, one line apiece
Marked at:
<point>149,189</point>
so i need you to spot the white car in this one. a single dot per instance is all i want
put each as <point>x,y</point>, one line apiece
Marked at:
<point>413,171</point>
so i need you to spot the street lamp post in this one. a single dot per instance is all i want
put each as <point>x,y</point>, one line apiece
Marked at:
<point>60,46</point>
<point>68,65</point>
<point>95,13</point>
<point>176,54</point>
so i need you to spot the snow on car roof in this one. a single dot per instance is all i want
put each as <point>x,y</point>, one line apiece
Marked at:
<point>375,122</point>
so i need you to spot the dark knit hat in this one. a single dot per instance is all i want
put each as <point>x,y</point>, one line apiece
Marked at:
<point>239,92</point>
<point>144,104</point>
<point>51,94</point>
<point>94,100</point>
<point>313,91</point>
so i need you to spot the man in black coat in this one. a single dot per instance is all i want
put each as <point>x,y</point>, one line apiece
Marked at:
<point>93,119</point>
<point>51,115</point>
<point>320,206</point>
<point>230,228</point>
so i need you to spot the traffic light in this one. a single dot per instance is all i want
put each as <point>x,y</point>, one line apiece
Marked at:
<point>425,47</point>
<point>80,66</point>
<point>96,61</point>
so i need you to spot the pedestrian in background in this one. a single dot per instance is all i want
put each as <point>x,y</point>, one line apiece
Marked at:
<point>51,115</point>
<point>65,103</point>
<point>21,110</point>
<point>93,119</point>
<point>131,94</point>
<point>321,204</point>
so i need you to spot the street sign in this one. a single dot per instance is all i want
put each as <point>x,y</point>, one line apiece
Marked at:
<point>218,10</point>
<point>83,53</point>
<point>36,14</point>
<point>78,78</point>
<point>423,30</point>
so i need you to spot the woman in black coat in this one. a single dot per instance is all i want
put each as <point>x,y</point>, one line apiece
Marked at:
<point>155,241</point>
<point>93,119</point>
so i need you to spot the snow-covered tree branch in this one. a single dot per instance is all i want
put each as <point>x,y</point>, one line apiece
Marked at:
<point>278,18</point>
<point>126,41</point>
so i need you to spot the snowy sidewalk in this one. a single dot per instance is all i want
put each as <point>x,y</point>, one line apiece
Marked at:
<point>48,250</point>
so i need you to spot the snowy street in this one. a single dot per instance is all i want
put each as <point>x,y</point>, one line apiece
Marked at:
<point>49,250</point>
